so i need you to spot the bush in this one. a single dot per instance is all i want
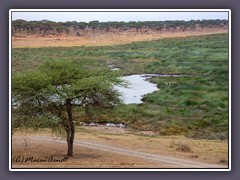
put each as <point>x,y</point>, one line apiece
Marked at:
<point>183,148</point>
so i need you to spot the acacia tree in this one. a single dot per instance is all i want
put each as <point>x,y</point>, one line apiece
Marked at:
<point>46,97</point>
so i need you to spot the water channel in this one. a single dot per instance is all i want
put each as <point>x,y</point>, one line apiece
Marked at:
<point>138,86</point>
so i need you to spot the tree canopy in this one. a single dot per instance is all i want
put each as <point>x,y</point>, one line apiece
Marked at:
<point>46,26</point>
<point>46,96</point>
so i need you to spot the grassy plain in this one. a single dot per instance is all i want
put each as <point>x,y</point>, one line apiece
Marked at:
<point>194,106</point>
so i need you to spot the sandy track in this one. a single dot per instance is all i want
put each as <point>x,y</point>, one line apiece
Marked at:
<point>161,160</point>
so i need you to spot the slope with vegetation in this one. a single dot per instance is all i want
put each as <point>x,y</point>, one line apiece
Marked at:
<point>46,27</point>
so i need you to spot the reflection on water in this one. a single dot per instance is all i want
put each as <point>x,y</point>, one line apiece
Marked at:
<point>138,86</point>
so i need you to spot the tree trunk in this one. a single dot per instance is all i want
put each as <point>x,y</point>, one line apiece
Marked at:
<point>44,32</point>
<point>70,129</point>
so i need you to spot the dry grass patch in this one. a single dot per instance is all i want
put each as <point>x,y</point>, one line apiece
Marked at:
<point>208,151</point>
<point>211,151</point>
<point>83,157</point>
<point>183,148</point>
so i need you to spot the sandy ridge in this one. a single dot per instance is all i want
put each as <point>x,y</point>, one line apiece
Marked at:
<point>31,41</point>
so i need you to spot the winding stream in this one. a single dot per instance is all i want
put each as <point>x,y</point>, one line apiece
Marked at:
<point>138,86</point>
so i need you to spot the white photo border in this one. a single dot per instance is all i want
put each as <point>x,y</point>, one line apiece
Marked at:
<point>119,10</point>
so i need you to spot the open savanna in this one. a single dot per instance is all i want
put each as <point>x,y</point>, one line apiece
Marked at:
<point>195,105</point>
<point>187,117</point>
<point>205,151</point>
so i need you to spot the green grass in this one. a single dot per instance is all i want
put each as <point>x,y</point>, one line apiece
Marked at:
<point>195,106</point>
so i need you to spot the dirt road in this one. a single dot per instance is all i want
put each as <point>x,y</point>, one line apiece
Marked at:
<point>161,160</point>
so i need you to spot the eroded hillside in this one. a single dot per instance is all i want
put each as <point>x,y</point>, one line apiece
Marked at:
<point>47,33</point>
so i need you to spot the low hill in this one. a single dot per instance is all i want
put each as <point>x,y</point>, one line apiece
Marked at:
<point>48,33</point>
